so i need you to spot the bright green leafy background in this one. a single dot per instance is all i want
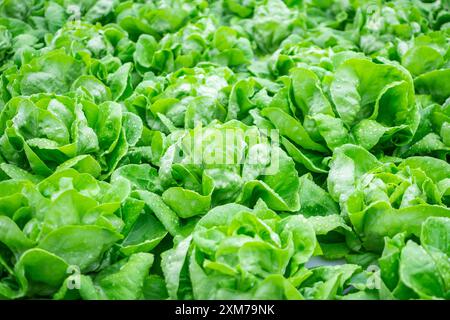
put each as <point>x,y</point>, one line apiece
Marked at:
<point>110,110</point>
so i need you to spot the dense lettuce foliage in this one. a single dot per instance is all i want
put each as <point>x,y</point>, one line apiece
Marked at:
<point>112,111</point>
